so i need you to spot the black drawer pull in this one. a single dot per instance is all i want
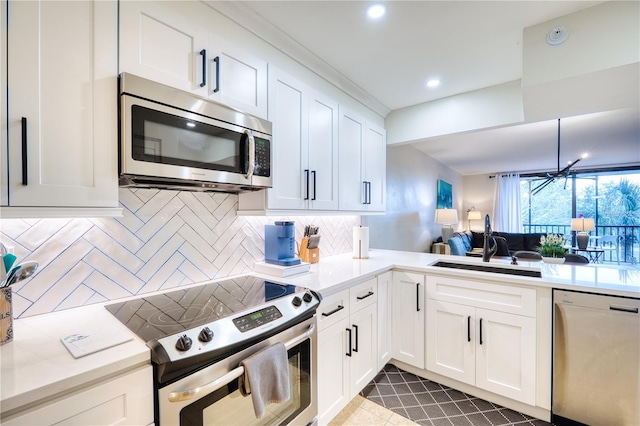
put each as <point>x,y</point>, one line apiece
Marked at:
<point>480,330</point>
<point>350,340</point>
<point>203,53</point>
<point>365,296</point>
<point>339,308</point>
<point>469,328</point>
<point>217,61</point>
<point>355,327</point>
<point>417,297</point>
<point>25,179</point>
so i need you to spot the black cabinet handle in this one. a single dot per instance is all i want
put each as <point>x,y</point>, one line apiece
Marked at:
<point>364,191</point>
<point>620,308</point>
<point>25,179</point>
<point>480,330</point>
<point>417,297</point>
<point>306,179</point>
<point>349,353</point>
<point>469,328</point>
<point>339,308</point>
<point>203,53</point>
<point>365,296</point>
<point>313,172</point>
<point>217,61</point>
<point>368,192</point>
<point>355,327</point>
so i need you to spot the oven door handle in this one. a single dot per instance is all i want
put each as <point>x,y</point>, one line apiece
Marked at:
<point>216,384</point>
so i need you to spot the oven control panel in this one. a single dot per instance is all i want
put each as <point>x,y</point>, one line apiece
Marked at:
<point>257,318</point>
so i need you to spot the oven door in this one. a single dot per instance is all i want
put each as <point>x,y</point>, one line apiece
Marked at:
<point>211,396</point>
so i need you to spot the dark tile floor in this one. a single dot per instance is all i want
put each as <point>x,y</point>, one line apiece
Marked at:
<point>431,404</point>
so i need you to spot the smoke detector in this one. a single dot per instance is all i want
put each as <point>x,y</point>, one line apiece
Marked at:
<point>557,36</point>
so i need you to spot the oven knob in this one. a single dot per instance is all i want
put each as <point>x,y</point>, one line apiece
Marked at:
<point>183,343</point>
<point>296,301</point>
<point>307,297</point>
<point>206,335</point>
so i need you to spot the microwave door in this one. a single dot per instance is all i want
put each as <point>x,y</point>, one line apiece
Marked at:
<point>159,141</point>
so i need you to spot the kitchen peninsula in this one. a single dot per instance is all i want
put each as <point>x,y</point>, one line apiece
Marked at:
<point>34,379</point>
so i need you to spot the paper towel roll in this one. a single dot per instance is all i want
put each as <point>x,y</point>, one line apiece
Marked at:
<point>360,242</point>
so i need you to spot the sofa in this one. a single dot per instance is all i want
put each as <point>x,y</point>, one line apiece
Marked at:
<point>508,242</point>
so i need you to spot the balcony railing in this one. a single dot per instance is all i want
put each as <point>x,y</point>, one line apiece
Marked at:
<point>628,249</point>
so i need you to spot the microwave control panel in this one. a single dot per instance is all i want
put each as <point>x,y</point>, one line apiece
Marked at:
<point>263,157</point>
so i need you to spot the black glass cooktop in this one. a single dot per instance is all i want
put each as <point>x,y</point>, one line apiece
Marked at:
<point>161,315</point>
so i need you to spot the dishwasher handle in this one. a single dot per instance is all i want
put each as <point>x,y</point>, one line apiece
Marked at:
<point>620,308</point>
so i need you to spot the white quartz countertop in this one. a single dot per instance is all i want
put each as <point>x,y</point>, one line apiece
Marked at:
<point>37,366</point>
<point>331,274</point>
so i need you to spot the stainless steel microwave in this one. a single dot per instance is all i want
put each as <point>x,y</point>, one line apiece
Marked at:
<point>177,140</point>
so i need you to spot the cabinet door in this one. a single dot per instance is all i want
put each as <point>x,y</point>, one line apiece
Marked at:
<point>408,318</point>
<point>333,371</point>
<point>4,184</point>
<point>62,70</point>
<point>126,400</point>
<point>323,152</point>
<point>364,360</point>
<point>374,157</point>
<point>162,41</point>
<point>451,340</point>
<point>288,113</point>
<point>384,319</point>
<point>506,355</point>
<point>352,130</point>
<point>237,79</point>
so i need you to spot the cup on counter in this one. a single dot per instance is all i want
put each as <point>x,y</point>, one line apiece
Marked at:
<point>6,316</point>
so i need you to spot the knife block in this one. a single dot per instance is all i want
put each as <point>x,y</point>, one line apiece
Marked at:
<point>6,316</point>
<point>308,255</point>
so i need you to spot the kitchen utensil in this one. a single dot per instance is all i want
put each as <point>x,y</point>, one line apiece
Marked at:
<point>21,272</point>
<point>314,240</point>
<point>9,260</point>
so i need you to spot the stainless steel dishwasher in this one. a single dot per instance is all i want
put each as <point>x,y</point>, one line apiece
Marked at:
<point>596,359</point>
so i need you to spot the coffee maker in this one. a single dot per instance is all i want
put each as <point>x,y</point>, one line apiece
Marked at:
<point>280,244</point>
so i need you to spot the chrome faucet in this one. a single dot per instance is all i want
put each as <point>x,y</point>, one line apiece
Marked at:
<point>488,251</point>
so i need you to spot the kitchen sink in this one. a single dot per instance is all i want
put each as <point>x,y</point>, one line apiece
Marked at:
<point>490,268</point>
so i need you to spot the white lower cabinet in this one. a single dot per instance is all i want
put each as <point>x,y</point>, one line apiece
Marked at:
<point>408,318</point>
<point>347,346</point>
<point>385,283</point>
<point>125,400</point>
<point>487,338</point>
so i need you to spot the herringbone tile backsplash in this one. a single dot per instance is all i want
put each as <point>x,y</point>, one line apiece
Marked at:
<point>164,239</point>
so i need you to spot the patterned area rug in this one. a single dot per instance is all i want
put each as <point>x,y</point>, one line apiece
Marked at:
<point>431,404</point>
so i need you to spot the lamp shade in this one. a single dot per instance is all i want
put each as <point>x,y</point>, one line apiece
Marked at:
<point>582,225</point>
<point>474,215</point>
<point>446,216</point>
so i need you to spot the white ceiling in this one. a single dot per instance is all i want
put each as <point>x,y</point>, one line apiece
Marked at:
<point>469,45</point>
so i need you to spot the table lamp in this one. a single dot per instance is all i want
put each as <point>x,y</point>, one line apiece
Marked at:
<point>473,214</point>
<point>582,225</point>
<point>446,217</point>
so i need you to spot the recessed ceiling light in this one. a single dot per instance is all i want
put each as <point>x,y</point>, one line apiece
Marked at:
<point>376,11</point>
<point>434,82</point>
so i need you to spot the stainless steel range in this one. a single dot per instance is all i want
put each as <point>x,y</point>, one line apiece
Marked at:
<point>199,335</point>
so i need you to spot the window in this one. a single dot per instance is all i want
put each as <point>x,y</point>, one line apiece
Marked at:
<point>612,199</point>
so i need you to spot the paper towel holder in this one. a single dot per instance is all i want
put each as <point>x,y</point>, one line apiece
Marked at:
<point>360,242</point>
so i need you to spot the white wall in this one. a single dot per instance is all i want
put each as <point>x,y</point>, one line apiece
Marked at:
<point>479,192</point>
<point>411,201</point>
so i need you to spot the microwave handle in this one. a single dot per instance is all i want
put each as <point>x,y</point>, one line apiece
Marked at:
<point>252,155</point>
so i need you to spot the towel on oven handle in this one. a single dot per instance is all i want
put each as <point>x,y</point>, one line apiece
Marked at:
<point>266,377</point>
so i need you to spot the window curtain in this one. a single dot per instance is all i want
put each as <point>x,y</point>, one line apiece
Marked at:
<point>507,214</point>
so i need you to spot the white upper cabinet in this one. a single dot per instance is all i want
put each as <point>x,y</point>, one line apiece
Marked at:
<point>362,161</point>
<point>305,150</point>
<point>175,43</point>
<point>62,108</point>
<point>237,78</point>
